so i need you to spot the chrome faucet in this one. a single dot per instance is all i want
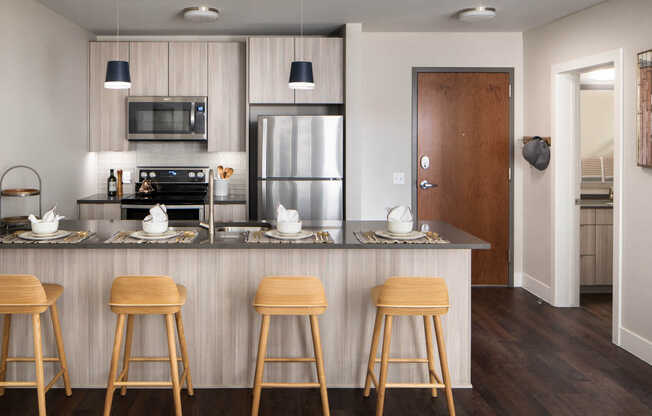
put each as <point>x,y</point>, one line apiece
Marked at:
<point>211,208</point>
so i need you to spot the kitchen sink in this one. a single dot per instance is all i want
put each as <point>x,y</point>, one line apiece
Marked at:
<point>234,230</point>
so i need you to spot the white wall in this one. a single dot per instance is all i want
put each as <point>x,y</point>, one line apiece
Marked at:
<point>379,109</point>
<point>597,123</point>
<point>44,109</point>
<point>611,25</point>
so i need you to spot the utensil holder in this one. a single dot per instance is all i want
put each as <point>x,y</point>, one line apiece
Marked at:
<point>221,187</point>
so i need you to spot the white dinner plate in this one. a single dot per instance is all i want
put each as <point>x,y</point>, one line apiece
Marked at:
<point>142,235</point>
<point>280,236</point>
<point>412,235</point>
<point>29,235</point>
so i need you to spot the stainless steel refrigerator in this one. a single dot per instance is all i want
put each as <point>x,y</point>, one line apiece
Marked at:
<point>300,164</point>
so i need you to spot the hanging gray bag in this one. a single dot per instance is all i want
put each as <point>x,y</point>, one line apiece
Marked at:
<point>537,152</point>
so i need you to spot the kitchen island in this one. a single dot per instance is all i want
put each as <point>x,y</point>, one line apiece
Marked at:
<point>221,325</point>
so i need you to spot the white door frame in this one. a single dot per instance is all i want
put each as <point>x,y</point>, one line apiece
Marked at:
<point>566,180</point>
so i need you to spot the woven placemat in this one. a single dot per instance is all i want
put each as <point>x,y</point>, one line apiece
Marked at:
<point>124,237</point>
<point>74,238</point>
<point>370,237</point>
<point>319,237</point>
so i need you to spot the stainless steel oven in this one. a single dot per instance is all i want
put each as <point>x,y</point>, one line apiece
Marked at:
<point>166,118</point>
<point>175,212</point>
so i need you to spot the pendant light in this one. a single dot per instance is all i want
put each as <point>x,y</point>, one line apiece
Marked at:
<point>117,72</point>
<point>301,71</point>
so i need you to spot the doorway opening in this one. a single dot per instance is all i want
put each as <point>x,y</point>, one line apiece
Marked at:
<point>462,159</point>
<point>587,127</point>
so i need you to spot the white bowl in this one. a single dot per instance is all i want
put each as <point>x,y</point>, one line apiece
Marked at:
<point>398,227</point>
<point>45,227</point>
<point>289,227</point>
<point>151,227</point>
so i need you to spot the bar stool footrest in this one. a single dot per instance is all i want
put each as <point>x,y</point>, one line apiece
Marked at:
<point>31,359</point>
<point>291,360</point>
<point>406,360</point>
<point>290,385</point>
<point>415,385</point>
<point>17,384</point>
<point>142,384</point>
<point>151,359</point>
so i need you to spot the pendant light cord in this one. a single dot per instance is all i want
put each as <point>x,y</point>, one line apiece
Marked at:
<point>117,20</point>
<point>301,26</point>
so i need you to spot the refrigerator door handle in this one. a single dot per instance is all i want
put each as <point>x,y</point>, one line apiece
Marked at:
<point>262,139</point>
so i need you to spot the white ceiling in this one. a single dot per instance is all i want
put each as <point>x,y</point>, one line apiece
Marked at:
<point>163,17</point>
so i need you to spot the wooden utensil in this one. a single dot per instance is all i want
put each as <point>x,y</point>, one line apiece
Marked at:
<point>228,172</point>
<point>220,171</point>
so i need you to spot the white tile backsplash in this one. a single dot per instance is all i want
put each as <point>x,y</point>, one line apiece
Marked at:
<point>169,154</point>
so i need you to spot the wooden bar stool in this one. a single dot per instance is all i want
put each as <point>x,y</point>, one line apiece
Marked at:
<point>24,294</point>
<point>420,296</point>
<point>279,295</point>
<point>148,295</point>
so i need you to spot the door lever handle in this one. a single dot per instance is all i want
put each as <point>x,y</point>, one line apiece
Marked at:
<point>424,184</point>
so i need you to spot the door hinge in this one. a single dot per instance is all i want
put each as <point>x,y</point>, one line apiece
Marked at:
<point>510,90</point>
<point>509,175</point>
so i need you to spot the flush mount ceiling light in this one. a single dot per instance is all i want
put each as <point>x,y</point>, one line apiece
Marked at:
<point>301,71</point>
<point>476,14</point>
<point>117,72</point>
<point>201,14</point>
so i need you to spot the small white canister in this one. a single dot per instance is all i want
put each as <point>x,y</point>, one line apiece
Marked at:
<point>221,187</point>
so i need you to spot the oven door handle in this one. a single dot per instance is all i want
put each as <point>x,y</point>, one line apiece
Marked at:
<point>192,117</point>
<point>167,206</point>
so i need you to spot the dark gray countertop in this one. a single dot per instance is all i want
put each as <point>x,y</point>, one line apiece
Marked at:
<point>101,199</point>
<point>343,236</point>
<point>235,198</point>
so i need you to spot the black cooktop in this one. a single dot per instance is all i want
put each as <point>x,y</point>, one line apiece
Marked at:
<point>165,198</point>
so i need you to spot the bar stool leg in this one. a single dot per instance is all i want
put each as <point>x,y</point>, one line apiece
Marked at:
<point>174,369</point>
<point>431,353</point>
<point>260,364</point>
<point>387,337</point>
<point>372,353</point>
<point>319,356</point>
<point>184,353</point>
<point>56,326</point>
<point>127,355</point>
<point>444,364</point>
<point>5,350</point>
<point>38,358</point>
<point>110,388</point>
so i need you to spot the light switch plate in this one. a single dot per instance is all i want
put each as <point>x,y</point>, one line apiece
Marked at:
<point>399,178</point>
<point>126,176</point>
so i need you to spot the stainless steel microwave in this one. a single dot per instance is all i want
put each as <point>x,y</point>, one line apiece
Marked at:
<point>166,118</point>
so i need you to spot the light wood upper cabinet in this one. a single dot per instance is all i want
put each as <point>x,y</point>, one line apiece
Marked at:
<point>227,97</point>
<point>188,69</point>
<point>108,114</point>
<point>327,57</point>
<point>269,70</point>
<point>149,68</point>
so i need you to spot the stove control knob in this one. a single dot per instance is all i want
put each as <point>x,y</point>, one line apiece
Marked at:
<point>200,175</point>
<point>143,174</point>
<point>191,175</point>
<point>152,174</point>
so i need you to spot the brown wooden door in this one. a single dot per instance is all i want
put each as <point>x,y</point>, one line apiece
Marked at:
<point>464,128</point>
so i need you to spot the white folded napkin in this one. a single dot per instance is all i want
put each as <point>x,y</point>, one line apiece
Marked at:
<point>157,213</point>
<point>50,216</point>
<point>400,213</point>
<point>286,215</point>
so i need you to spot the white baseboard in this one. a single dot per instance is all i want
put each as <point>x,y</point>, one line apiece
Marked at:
<point>536,287</point>
<point>636,344</point>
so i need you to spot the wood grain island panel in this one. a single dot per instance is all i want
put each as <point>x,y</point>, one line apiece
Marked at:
<point>221,325</point>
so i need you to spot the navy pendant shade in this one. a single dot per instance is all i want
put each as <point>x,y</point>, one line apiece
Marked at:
<point>117,75</point>
<point>301,76</point>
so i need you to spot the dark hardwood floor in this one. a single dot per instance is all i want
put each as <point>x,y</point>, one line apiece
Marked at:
<point>528,359</point>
